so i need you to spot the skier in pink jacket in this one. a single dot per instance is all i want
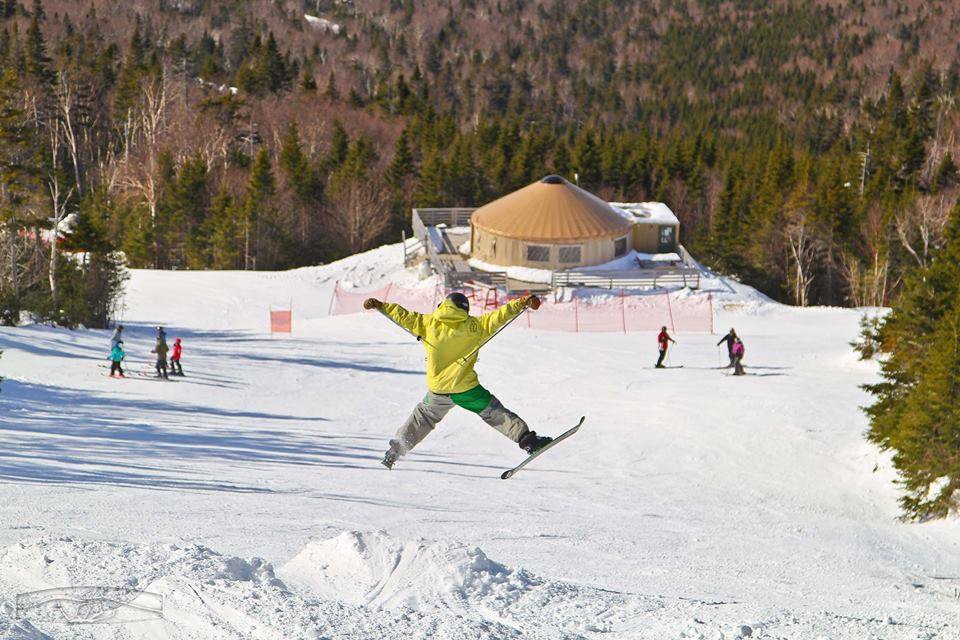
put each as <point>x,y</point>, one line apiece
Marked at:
<point>737,352</point>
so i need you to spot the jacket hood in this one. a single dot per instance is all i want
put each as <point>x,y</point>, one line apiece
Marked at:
<point>449,313</point>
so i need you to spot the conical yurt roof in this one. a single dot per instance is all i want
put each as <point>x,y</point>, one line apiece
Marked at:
<point>553,211</point>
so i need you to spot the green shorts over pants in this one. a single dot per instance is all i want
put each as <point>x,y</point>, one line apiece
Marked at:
<point>435,406</point>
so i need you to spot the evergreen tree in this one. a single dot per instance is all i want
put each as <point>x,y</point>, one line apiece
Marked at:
<point>402,165</point>
<point>585,161</point>
<point>339,144</point>
<point>331,92</point>
<point>190,203</point>
<point>945,175</point>
<point>430,191</point>
<point>257,211</point>
<point>295,164</point>
<point>731,223</point>
<point>131,73</point>
<point>19,184</point>
<point>224,232</point>
<point>916,414</point>
<point>38,64</point>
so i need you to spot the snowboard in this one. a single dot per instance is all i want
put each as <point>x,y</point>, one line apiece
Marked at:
<point>509,473</point>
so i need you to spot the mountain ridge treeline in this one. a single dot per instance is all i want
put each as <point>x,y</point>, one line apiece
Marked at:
<point>807,147</point>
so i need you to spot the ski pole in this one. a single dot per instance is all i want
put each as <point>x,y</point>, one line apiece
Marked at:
<point>405,330</point>
<point>462,361</point>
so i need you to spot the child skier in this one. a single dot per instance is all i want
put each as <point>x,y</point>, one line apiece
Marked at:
<point>737,352</point>
<point>451,338</point>
<point>161,350</point>
<point>116,357</point>
<point>663,341</point>
<point>175,368</point>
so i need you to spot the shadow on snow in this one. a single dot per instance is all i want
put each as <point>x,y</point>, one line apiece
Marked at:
<point>71,437</point>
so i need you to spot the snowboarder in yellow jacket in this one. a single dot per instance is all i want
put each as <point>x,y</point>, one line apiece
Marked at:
<point>452,337</point>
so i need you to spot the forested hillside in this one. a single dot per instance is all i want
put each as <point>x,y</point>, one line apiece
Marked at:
<point>807,147</point>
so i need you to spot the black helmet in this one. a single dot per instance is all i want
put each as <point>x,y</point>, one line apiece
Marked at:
<point>459,300</point>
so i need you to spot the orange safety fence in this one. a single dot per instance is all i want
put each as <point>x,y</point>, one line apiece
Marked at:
<point>617,312</point>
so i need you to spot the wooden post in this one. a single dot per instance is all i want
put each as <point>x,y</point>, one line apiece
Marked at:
<point>576,313</point>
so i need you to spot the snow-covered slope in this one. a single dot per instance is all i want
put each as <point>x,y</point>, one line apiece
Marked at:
<point>249,495</point>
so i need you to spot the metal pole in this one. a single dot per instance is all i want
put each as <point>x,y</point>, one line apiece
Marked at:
<point>623,313</point>
<point>333,297</point>
<point>673,327</point>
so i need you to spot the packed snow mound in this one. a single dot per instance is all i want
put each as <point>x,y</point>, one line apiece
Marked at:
<point>376,570</point>
<point>53,562</point>
<point>351,586</point>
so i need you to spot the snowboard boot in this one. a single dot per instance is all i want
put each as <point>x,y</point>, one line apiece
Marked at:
<point>389,459</point>
<point>531,442</point>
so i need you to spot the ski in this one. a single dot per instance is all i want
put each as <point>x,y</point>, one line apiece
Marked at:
<point>509,473</point>
<point>141,376</point>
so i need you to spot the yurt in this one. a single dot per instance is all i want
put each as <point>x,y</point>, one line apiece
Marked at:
<point>550,224</point>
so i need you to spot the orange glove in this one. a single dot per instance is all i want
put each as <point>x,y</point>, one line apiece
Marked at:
<point>372,303</point>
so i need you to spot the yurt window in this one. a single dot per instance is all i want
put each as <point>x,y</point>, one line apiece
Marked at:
<point>619,247</point>
<point>538,253</point>
<point>570,255</point>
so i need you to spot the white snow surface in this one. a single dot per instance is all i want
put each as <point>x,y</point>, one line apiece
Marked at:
<point>249,495</point>
<point>646,212</point>
<point>525,274</point>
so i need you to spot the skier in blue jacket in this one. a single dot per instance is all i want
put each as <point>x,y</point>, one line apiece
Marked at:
<point>116,357</point>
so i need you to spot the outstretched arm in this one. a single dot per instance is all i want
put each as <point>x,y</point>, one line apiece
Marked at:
<point>409,320</point>
<point>493,321</point>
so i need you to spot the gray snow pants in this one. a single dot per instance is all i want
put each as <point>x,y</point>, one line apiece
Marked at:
<point>435,406</point>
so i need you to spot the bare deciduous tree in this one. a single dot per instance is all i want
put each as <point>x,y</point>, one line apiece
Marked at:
<point>359,213</point>
<point>869,284</point>
<point>920,228</point>
<point>803,247</point>
<point>59,197</point>
<point>144,132</point>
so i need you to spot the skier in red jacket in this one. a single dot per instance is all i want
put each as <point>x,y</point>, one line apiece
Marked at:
<point>175,368</point>
<point>663,341</point>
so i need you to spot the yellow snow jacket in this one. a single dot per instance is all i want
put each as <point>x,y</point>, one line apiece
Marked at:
<point>449,334</point>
